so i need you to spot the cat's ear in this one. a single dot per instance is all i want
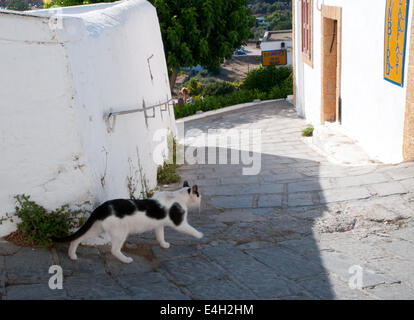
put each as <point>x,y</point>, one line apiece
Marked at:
<point>194,189</point>
<point>185,184</point>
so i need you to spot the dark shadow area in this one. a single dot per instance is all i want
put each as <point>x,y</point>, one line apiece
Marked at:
<point>258,235</point>
<point>259,229</point>
<point>259,241</point>
<point>266,236</point>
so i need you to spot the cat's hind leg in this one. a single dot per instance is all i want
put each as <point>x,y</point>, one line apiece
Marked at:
<point>93,232</point>
<point>117,243</point>
<point>159,234</point>
<point>72,249</point>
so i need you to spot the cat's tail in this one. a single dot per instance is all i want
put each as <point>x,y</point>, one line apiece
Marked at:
<point>82,230</point>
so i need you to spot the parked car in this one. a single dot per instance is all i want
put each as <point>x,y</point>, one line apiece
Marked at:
<point>240,51</point>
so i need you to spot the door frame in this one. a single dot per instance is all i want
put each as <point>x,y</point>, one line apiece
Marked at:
<point>408,139</point>
<point>334,13</point>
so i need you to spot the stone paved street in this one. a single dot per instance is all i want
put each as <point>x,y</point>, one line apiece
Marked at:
<point>300,229</point>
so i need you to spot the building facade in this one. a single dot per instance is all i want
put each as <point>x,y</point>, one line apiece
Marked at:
<point>62,73</point>
<point>354,65</point>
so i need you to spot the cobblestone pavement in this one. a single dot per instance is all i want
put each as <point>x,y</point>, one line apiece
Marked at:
<point>302,228</point>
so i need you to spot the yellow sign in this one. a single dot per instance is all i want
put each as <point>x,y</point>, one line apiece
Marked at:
<point>274,57</point>
<point>396,21</point>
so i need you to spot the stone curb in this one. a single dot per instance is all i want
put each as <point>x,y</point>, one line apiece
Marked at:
<point>224,110</point>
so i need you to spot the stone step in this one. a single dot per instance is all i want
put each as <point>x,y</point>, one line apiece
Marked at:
<point>331,141</point>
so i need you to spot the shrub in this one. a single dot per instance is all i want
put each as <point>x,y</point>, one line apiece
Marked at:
<point>194,86</point>
<point>215,70</point>
<point>67,3</point>
<point>38,224</point>
<point>203,73</point>
<point>218,88</point>
<point>264,79</point>
<point>261,83</point>
<point>166,174</point>
<point>217,102</point>
<point>282,90</point>
<point>18,5</point>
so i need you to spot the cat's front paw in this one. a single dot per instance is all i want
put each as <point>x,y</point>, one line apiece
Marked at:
<point>199,235</point>
<point>73,257</point>
<point>165,245</point>
<point>127,260</point>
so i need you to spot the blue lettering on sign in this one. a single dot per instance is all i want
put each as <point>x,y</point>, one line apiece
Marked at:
<point>399,31</point>
<point>389,32</point>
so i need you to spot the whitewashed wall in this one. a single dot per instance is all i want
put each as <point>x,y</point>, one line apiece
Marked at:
<point>56,85</point>
<point>372,108</point>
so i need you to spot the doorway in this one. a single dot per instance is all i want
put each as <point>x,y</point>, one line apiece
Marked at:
<point>331,64</point>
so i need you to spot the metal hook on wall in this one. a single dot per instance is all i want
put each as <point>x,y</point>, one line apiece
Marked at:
<point>149,67</point>
<point>110,127</point>
<point>317,5</point>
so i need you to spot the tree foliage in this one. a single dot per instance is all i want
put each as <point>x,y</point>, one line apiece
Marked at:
<point>202,32</point>
<point>269,6</point>
<point>195,32</point>
<point>280,20</point>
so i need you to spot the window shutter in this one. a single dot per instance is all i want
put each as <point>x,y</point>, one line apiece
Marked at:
<point>306,20</point>
<point>303,14</point>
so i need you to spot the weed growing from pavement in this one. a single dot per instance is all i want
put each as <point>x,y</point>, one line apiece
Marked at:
<point>308,132</point>
<point>37,224</point>
<point>166,173</point>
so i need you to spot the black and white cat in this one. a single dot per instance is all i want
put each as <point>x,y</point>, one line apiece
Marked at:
<point>122,217</point>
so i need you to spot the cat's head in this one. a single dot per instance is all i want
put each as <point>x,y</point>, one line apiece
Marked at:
<point>194,197</point>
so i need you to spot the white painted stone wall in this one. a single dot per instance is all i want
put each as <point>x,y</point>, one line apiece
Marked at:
<point>372,108</point>
<point>57,81</point>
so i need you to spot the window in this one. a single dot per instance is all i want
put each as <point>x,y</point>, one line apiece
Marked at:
<point>306,11</point>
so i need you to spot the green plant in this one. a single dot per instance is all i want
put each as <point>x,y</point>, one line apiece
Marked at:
<point>175,150</point>
<point>145,193</point>
<point>194,86</point>
<point>195,32</point>
<point>67,3</point>
<point>38,224</point>
<point>166,173</point>
<point>280,20</point>
<point>308,132</point>
<point>132,180</point>
<point>264,79</point>
<point>236,97</point>
<point>218,88</point>
<point>282,90</point>
<point>267,6</point>
<point>201,32</point>
<point>18,5</point>
<point>217,102</point>
<point>261,83</point>
<point>203,73</point>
